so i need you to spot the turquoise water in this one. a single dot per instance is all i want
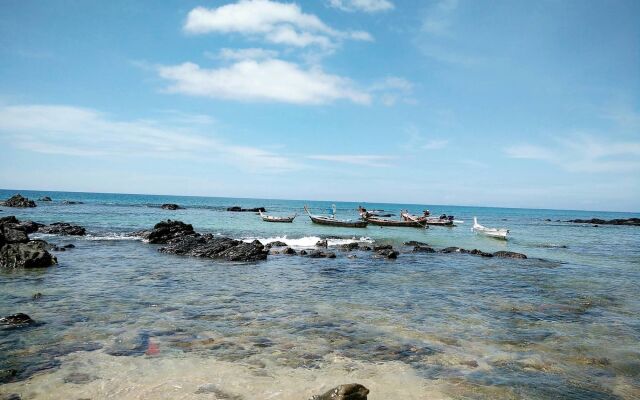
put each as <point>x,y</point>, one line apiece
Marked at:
<point>563,324</point>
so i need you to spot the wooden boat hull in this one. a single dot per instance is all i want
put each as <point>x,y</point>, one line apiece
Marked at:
<point>270,218</point>
<point>337,222</point>
<point>321,220</point>
<point>427,220</point>
<point>387,222</point>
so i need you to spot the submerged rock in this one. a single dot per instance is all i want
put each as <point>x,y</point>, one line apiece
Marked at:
<point>44,198</point>
<point>423,249</point>
<point>78,378</point>
<point>416,243</point>
<point>382,247</point>
<point>509,254</point>
<point>19,202</point>
<point>218,393</point>
<point>388,253</point>
<point>240,209</point>
<point>322,254</point>
<point>351,391</point>
<point>476,252</point>
<point>63,228</point>
<point>16,319</point>
<point>71,202</point>
<point>170,206</point>
<point>452,249</point>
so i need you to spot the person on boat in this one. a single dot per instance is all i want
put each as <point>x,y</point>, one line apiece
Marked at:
<point>450,218</point>
<point>427,213</point>
<point>443,216</point>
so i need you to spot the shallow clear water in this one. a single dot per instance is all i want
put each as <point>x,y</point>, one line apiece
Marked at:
<point>117,319</point>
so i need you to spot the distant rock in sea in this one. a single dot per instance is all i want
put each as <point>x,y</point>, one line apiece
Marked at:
<point>170,206</point>
<point>19,202</point>
<point>71,202</point>
<point>240,209</point>
<point>597,221</point>
<point>45,198</point>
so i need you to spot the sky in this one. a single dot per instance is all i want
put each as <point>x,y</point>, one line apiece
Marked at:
<point>492,103</point>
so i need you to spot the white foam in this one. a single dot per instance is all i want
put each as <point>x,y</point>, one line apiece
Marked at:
<point>112,236</point>
<point>308,241</point>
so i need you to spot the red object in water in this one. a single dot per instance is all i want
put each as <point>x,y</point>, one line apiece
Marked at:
<point>153,349</point>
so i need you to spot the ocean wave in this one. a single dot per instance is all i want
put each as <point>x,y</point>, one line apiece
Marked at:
<point>112,236</point>
<point>309,241</point>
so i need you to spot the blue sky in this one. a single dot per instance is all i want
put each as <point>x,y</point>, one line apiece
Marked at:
<point>498,103</point>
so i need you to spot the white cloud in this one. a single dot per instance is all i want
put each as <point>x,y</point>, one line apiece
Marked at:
<point>244,54</point>
<point>355,159</point>
<point>369,6</point>
<point>280,23</point>
<point>392,88</point>
<point>438,18</point>
<point>74,131</point>
<point>583,153</point>
<point>266,80</point>
<point>416,141</point>
<point>435,144</point>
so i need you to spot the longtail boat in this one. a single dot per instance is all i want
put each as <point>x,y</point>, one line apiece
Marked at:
<point>435,221</point>
<point>391,222</point>
<point>497,233</point>
<point>271,218</point>
<point>332,221</point>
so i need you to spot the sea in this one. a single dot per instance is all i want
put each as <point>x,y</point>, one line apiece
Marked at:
<point>116,319</point>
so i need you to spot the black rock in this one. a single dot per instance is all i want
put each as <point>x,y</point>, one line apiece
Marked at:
<point>30,226</point>
<point>168,230</point>
<point>322,254</point>
<point>476,252</point>
<point>71,202</point>
<point>288,251</point>
<point>364,247</point>
<point>276,243</point>
<point>12,233</point>
<point>382,247</point>
<point>617,221</point>
<point>19,202</point>
<point>45,198</point>
<point>387,253</point>
<point>63,228</point>
<point>349,246</point>
<point>423,249</point>
<point>509,254</point>
<point>322,243</point>
<point>351,391</point>
<point>209,246</point>
<point>69,246</point>
<point>450,250</point>
<point>16,319</point>
<point>303,252</point>
<point>415,243</point>
<point>37,296</point>
<point>25,255</point>
<point>170,206</point>
<point>240,209</point>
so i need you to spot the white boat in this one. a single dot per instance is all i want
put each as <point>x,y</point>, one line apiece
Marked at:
<point>498,233</point>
